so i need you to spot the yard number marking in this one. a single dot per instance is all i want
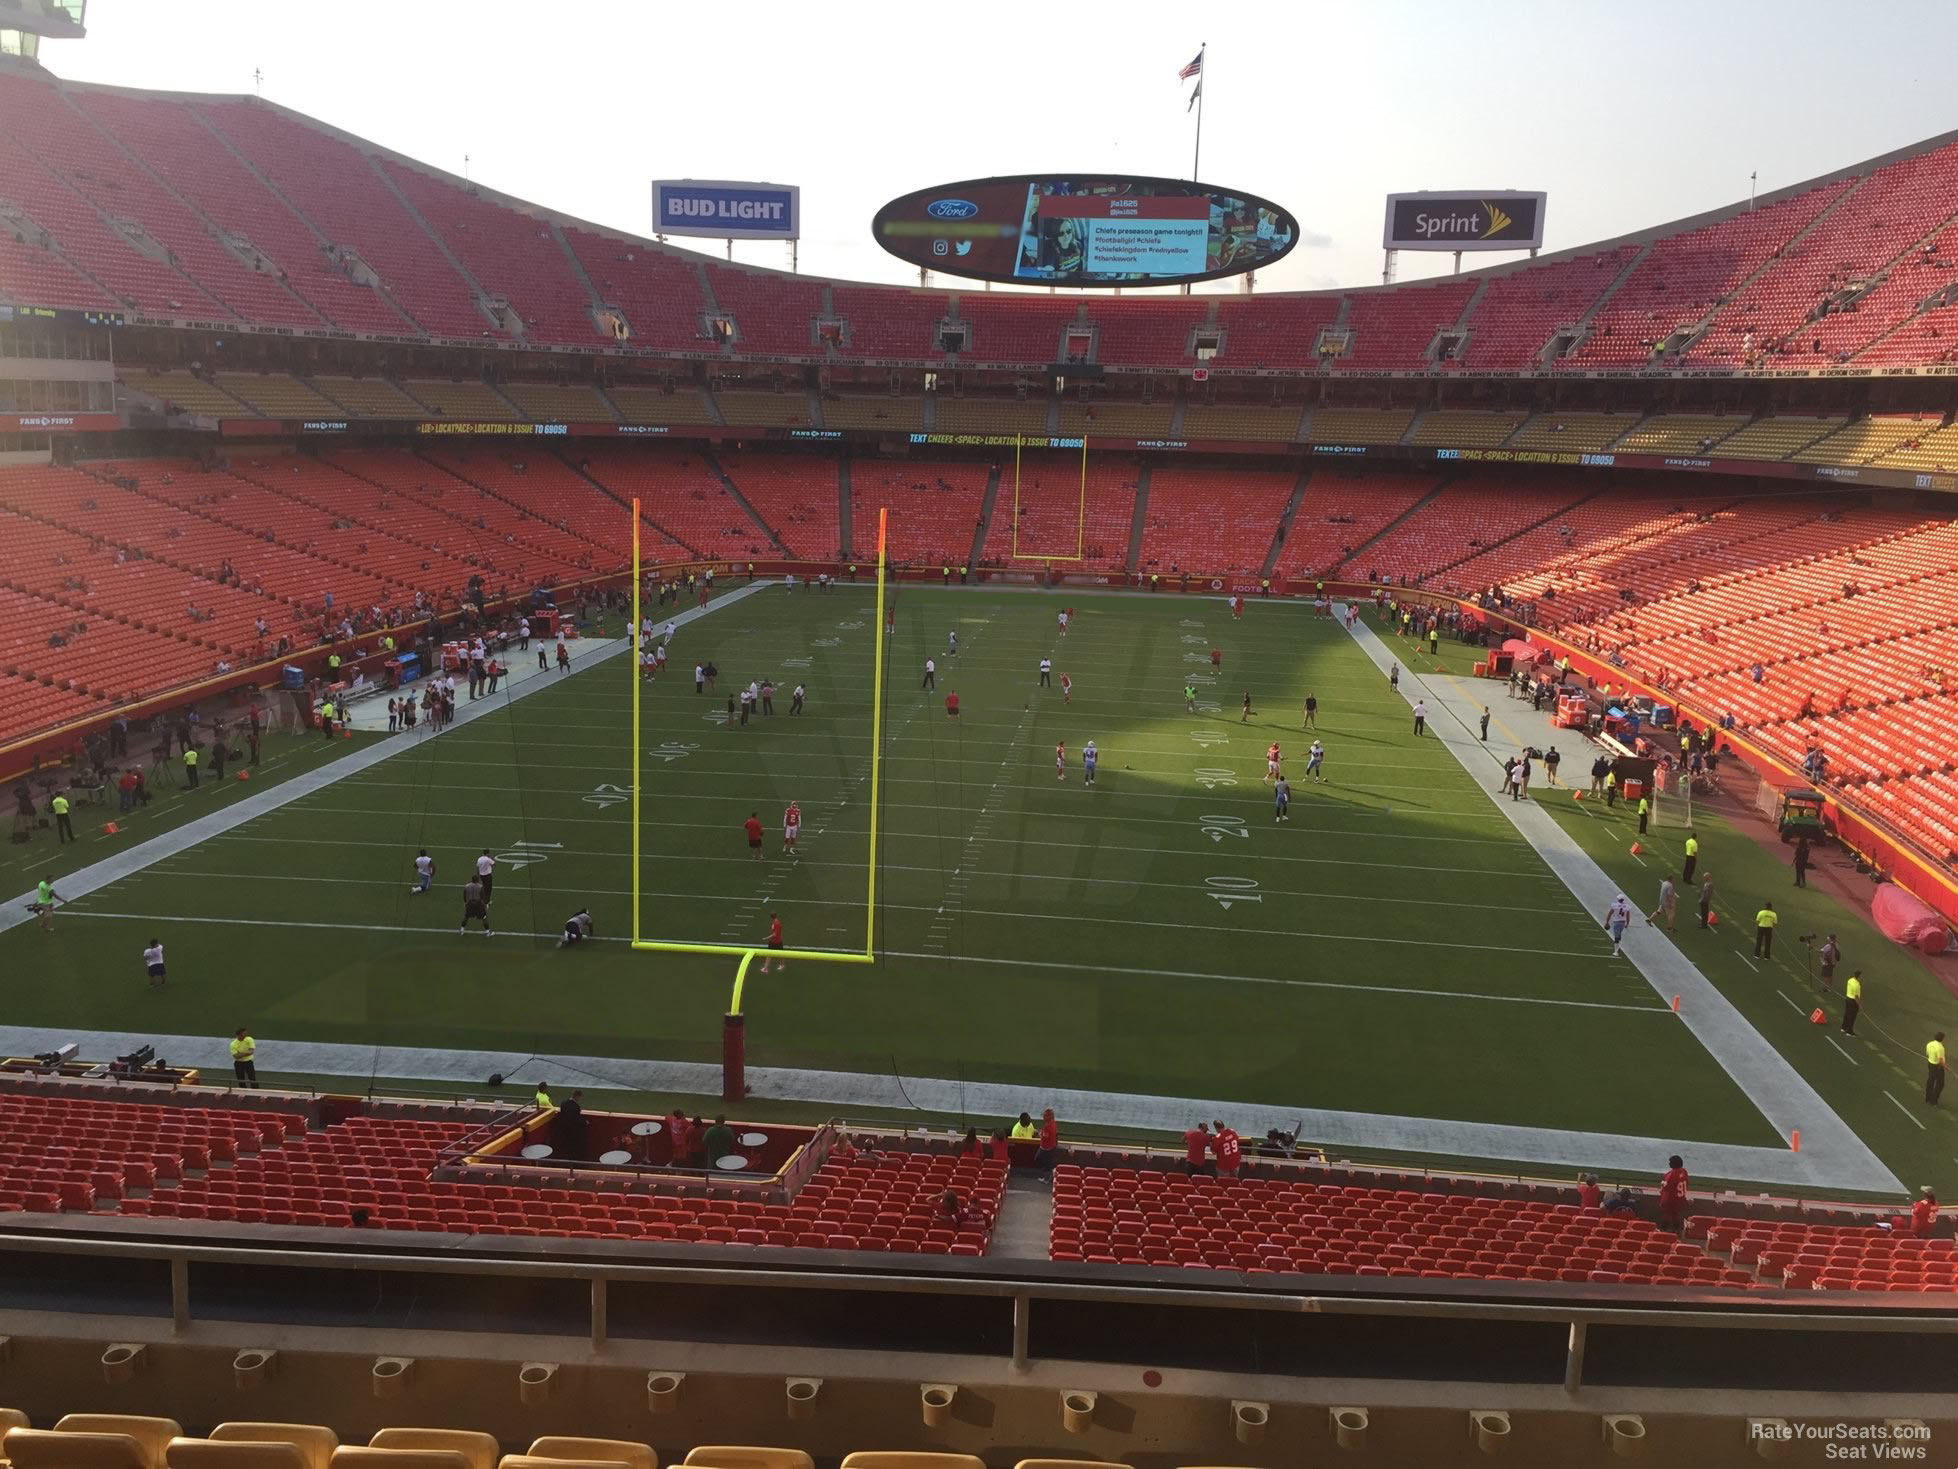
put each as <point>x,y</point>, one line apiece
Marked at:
<point>607,795</point>
<point>526,853</point>
<point>1210,777</point>
<point>673,750</point>
<point>1228,890</point>
<point>1219,827</point>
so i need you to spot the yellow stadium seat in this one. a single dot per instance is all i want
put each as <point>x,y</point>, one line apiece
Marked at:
<point>479,1450</point>
<point>742,1456</point>
<point>154,1434</point>
<point>43,1448</point>
<point>353,1456</point>
<point>314,1442</point>
<point>908,1459</point>
<point>12,1418</point>
<point>206,1453</point>
<point>1068,1464</point>
<point>596,1450</point>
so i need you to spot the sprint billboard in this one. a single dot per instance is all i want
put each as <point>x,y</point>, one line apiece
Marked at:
<point>1461,221</point>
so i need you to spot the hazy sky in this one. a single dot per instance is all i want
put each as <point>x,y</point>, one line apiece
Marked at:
<point>1627,116</point>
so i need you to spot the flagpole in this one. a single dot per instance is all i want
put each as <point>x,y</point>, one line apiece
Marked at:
<point>1196,171</point>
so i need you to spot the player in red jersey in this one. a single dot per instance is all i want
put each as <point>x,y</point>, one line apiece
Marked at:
<point>791,827</point>
<point>1060,761</point>
<point>775,945</point>
<point>752,826</point>
<point>1067,689</point>
<point>1271,762</point>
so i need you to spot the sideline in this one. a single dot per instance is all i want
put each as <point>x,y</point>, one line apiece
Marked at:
<point>1832,1155</point>
<point>98,875</point>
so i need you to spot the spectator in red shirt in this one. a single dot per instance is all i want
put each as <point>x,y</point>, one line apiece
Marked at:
<point>774,944</point>
<point>1924,1213</point>
<point>1001,1153</point>
<point>972,1147</point>
<point>1050,1141</point>
<point>752,826</point>
<point>1196,1148</point>
<point>1229,1149</point>
<point>1589,1196</point>
<point>952,1210</point>
<point>1672,1194</point>
<point>952,704</point>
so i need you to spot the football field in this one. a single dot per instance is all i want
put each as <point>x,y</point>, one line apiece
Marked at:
<point>1396,947</point>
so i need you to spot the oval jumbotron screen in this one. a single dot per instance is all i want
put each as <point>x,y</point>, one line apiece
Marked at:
<point>1085,230</point>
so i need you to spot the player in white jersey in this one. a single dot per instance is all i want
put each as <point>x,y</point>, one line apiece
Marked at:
<point>424,872</point>
<point>1314,758</point>
<point>951,645</point>
<point>1090,758</point>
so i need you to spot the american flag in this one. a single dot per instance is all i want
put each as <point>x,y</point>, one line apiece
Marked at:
<point>1195,68</point>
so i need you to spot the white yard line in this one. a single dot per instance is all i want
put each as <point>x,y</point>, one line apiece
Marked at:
<point>439,929</point>
<point>1832,1154</point>
<point>1916,1121</point>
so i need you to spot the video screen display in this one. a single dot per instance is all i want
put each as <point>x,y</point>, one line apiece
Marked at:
<point>1071,230</point>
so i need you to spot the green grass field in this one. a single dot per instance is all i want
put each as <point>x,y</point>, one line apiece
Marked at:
<point>1394,948</point>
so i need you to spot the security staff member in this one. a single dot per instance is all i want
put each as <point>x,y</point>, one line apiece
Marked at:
<point>1852,1003</point>
<point>1644,814</point>
<point>190,765</point>
<point>1692,857</point>
<point>1934,1078</point>
<point>1764,926</point>
<point>63,827</point>
<point>543,1098</point>
<point>243,1050</point>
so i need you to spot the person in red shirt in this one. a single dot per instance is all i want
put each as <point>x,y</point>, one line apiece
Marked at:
<point>1196,1148</point>
<point>791,827</point>
<point>952,704</point>
<point>1060,760</point>
<point>1924,1213</point>
<point>1672,1194</point>
<point>1050,1141</point>
<point>752,826</point>
<point>1067,689</point>
<point>1001,1153</point>
<point>972,1146</point>
<point>1229,1150</point>
<point>774,943</point>
<point>1589,1196</point>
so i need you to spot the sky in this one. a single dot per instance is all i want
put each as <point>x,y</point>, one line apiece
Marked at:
<point>1627,116</point>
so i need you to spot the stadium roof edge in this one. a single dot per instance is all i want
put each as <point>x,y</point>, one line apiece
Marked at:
<point>1682,225</point>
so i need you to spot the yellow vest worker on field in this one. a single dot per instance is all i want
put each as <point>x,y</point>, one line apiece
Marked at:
<point>1764,926</point>
<point>1611,788</point>
<point>243,1051</point>
<point>1934,1078</point>
<point>1644,814</point>
<point>63,827</point>
<point>1852,1003</point>
<point>1692,857</point>
<point>190,765</point>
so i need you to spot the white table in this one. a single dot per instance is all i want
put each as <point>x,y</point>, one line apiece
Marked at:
<point>645,1129</point>
<point>753,1139</point>
<point>732,1163</point>
<point>537,1150</point>
<point>615,1157</point>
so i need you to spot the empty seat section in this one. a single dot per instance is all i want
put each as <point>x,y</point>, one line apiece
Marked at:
<point>1057,514</point>
<point>1210,524</point>
<point>797,496</point>
<point>1341,512</point>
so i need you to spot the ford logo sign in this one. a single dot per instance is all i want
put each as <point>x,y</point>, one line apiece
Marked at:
<point>951,209</point>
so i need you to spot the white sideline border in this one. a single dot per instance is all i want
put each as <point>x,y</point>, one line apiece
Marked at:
<point>1832,1156</point>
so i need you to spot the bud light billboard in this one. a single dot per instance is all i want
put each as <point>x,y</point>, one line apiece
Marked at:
<point>724,210</point>
<point>1085,230</point>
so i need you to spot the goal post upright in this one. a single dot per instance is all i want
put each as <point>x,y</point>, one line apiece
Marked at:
<point>733,1033</point>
